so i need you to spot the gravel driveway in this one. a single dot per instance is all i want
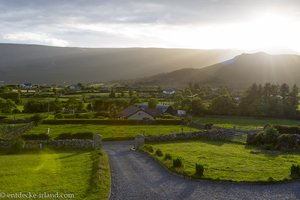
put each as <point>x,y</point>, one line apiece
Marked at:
<point>137,176</point>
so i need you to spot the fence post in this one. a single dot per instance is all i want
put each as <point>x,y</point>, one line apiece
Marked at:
<point>97,141</point>
<point>139,141</point>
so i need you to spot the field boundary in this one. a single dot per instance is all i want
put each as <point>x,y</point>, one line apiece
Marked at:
<point>112,122</point>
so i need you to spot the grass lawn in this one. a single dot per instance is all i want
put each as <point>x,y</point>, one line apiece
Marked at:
<point>65,172</point>
<point>229,161</point>
<point>244,123</point>
<point>111,131</point>
<point>26,115</point>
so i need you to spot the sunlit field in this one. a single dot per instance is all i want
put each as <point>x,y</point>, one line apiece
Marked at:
<point>244,123</point>
<point>65,172</point>
<point>229,161</point>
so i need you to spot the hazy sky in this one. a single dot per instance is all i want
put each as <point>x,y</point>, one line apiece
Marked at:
<point>238,24</point>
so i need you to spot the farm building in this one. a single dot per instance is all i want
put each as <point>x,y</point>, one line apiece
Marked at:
<point>142,111</point>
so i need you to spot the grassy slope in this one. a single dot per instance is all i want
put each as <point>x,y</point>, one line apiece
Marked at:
<point>109,131</point>
<point>228,161</point>
<point>244,123</point>
<point>51,172</point>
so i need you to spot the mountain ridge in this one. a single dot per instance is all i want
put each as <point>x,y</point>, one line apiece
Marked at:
<point>46,64</point>
<point>238,72</point>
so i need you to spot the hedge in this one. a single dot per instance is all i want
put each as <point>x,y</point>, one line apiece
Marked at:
<point>288,129</point>
<point>113,122</point>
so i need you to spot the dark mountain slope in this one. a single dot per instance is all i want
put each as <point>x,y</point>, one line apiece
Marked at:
<point>44,64</point>
<point>238,72</point>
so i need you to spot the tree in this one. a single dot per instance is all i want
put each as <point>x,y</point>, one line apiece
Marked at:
<point>284,91</point>
<point>152,103</point>
<point>7,105</point>
<point>74,104</point>
<point>134,100</point>
<point>130,93</point>
<point>223,105</point>
<point>294,100</point>
<point>197,106</point>
<point>112,94</point>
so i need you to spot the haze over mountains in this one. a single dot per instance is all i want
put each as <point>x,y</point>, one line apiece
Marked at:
<point>148,66</point>
<point>239,72</point>
<point>44,64</point>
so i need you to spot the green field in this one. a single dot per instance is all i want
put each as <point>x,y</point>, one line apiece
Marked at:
<point>111,131</point>
<point>26,116</point>
<point>229,161</point>
<point>244,123</point>
<point>65,172</point>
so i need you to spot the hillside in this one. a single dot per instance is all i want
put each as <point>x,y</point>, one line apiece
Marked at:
<point>43,64</point>
<point>239,72</point>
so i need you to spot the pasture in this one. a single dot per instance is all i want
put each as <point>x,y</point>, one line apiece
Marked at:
<point>48,171</point>
<point>229,161</point>
<point>243,123</point>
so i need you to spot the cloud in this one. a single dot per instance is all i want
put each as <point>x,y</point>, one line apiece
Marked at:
<point>40,38</point>
<point>127,23</point>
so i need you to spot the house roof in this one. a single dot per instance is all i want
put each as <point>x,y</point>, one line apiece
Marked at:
<point>159,110</point>
<point>134,109</point>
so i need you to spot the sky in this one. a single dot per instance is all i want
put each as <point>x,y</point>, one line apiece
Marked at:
<point>250,25</point>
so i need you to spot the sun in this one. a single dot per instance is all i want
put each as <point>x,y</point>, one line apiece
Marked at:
<point>270,32</point>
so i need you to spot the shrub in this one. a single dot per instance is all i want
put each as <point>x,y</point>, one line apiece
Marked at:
<point>158,152</point>
<point>168,157</point>
<point>177,162</point>
<point>270,135</point>
<point>59,116</point>
<point>295,171</point>
<point>288,141</point>
<point>288,129</point>
<point>208,126</point>
<point>270,179</point>
<point>17,144</point>
<point>199,170</point>
<point>42,136</point>
<point>149,148</point>
<point>37,118</point>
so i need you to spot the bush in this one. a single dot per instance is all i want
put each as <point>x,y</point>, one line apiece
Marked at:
<point>168,157</point>
<point>208,126</point>
<point>42,136</point>
<point>295,171</point>
<point>149,148</point>
<point>17,144</point>
<point>199,170</point>
<point>158,152</point>
<point>37,118</point>
<point>288,141</point>
<point>268,137</point>
<point>288,129</point>
<point>177,162</point>
<point>59,116</point>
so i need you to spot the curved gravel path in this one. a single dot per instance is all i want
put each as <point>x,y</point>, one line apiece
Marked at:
<point>137,176</point>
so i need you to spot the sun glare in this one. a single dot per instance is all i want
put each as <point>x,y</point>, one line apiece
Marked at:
<point>270,32</point>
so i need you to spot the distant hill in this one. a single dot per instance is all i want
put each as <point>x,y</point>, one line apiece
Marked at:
<point>44,64</point>
<point>239,72</point>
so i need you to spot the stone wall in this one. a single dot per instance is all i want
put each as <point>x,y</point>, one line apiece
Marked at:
<point>59,144</point>
<point>213,134</point>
